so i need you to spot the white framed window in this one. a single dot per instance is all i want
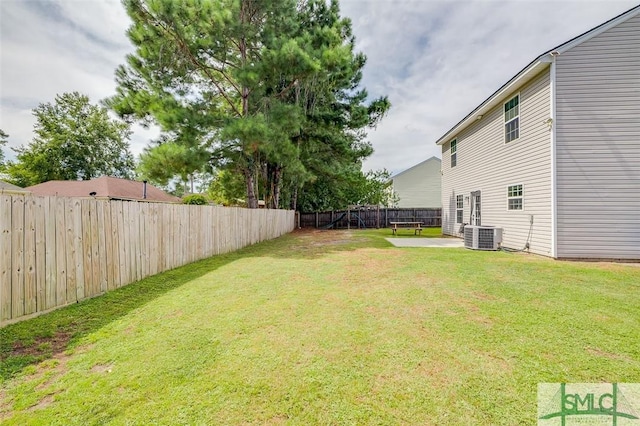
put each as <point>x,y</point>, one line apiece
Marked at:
<point>512,119</point>
<point>515,197</point>
<point>454,152</point>
<point>459,208</point>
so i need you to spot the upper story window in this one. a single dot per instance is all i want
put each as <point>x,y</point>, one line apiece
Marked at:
<point>515,197</point>
<point>512,119</point>
<point>454,152</point>
<point>459,208</point>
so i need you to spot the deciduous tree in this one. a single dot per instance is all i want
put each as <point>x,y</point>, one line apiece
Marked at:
<point>3,141</point>
<point>227,188</point>
<point>73,140</point>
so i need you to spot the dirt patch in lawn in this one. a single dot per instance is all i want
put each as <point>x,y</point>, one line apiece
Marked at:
<point>320,238</point>
<point>5,408</point>
<point>101,368</point>
<point>48,372</point>
<point>469,306</point>
<point>42,346</point>
<point>600,352</point>
<point>42,404</point>
<point>58,369</point>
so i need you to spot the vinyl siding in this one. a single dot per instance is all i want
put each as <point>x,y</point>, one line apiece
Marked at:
<point>487,164</point>
<point>598,145</point>
<point>420,185</point>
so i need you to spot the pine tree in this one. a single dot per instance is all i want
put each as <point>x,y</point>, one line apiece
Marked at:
<point>248,78</point>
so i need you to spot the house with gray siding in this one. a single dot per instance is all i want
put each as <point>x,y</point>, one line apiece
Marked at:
<point>419,185</point>
<point>553,156</point>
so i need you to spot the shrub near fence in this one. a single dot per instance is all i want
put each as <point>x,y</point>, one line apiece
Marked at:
<point>56,250</point>
<point>371,217</point>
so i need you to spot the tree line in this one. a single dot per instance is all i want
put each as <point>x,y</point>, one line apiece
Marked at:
<point>255,99</point>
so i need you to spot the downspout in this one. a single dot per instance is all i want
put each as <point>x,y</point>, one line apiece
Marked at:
<point>144,189</point>
<point>554,184</point>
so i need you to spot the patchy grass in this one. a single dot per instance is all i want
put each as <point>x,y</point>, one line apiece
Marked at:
<point>328,327</point>
<point>29,342</point>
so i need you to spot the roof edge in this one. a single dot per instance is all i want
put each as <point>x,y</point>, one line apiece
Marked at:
<point>531,70</point>
<point>616,20</point>
<point>414,166</point>
<point>527,73</point>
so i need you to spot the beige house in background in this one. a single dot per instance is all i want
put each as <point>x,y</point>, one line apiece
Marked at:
<point>420,185</point>
<point>553,157</point>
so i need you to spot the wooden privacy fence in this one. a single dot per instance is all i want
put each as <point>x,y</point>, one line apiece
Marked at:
<point>370,217</point>
<point>56,250</point>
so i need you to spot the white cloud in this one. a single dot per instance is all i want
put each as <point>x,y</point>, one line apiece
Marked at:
<point>50,47</point>
<point>436,60</point>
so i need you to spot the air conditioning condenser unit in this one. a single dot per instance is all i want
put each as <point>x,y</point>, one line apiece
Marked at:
<point>478,237</point>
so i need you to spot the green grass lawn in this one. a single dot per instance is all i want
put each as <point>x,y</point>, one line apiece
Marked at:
<point>332,327</point>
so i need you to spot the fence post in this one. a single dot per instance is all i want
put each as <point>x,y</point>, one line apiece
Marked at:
<point>348,218</point>
<point>316,220</point>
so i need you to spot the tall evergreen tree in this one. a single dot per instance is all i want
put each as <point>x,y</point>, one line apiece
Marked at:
<point>332,140</point>
<point>244,76</point>
<point>201,65</point>
<point>167,159</point>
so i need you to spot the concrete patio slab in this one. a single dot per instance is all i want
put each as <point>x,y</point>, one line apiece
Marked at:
<point>426,242</point>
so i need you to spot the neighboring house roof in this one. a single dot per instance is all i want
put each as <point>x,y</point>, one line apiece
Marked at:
<point>530,71</point>
<point>416,166</point>
<point>104,187</point>
<point>8,187</point>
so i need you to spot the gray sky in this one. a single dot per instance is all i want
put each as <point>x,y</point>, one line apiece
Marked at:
<point>436,60</point>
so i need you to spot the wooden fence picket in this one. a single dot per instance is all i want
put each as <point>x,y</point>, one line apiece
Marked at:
<point>74,249</point>
<point>17,256</point>
<point>75,268</point>
<point>6,273</point>
<point>30,290</point>
<point>40,213</point>
<point>62,252</point>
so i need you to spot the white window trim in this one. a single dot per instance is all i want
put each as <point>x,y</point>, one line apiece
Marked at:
<point>509,198</point>
<point>451,153</point>
<point>459,209</point>
<point>504,123</point>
